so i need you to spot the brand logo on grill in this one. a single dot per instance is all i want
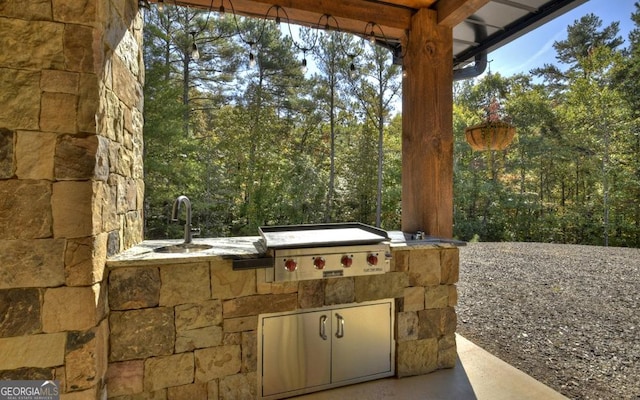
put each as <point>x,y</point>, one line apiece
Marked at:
<point>331,274</point>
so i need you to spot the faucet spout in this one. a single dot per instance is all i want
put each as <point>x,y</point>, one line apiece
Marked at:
<point>174,216</point>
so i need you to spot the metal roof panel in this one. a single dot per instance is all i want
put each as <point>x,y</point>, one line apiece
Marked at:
<point>502,21</point>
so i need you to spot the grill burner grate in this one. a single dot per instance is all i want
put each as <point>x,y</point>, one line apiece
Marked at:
<point>321,235</point>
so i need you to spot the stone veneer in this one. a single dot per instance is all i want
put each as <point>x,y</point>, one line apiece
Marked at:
<point>71,194</point>
<point>71,186</point>
<point>188,331</point>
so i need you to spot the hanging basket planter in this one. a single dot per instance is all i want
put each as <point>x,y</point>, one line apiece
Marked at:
<point>490,135</point>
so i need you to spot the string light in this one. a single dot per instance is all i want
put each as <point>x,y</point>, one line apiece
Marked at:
<point>372,37</point>
<point>368,34</point>
<point>195,54</point>
<point>252,57</point>
<point>352,68</point>
<point>305,47</point>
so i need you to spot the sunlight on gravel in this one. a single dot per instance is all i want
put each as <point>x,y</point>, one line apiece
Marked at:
<point>567,315</point>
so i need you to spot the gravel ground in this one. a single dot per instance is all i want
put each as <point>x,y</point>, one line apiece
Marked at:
<point>567,315</point>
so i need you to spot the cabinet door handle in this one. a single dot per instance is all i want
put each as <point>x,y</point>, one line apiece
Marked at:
<point>323,326</point>
<point>340,330</point>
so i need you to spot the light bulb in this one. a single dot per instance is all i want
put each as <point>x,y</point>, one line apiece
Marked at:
<point>405,73</point>
<point>161,6</point>
<point>221,9</point>
<point>352,70</point>
<point>195,54</point>
<point>372,38</point>
<point>252,60</point>
<point>304,65</point>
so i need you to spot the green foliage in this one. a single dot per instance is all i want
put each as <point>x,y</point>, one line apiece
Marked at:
<point>571,174</point>
<point>252,146</point>
<point>275,145</point>
<point>583,37</point>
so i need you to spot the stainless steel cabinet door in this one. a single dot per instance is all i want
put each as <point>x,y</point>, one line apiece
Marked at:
<point>361,343</point>
<point>296,352</point>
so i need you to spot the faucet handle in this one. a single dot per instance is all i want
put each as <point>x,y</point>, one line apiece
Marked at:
<point>195,231</point>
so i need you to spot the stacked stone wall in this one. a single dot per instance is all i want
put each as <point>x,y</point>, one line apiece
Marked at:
<point>70,181</point>
<point>190,330</point>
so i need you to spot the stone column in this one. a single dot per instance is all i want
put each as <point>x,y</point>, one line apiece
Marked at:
<point>71,186</point>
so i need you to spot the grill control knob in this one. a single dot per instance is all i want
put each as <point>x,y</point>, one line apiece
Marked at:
<point>346,261</point>
<point>290,264</point>
<point>319,262</point>
<point>372,259</point>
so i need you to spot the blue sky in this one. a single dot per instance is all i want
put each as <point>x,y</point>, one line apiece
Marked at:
<point>536,48</point>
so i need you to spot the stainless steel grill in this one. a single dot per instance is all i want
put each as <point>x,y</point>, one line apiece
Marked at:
<point>303,351</point>
<point>301,252</point>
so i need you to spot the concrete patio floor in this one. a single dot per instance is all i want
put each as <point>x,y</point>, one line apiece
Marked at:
<point>478,375</point>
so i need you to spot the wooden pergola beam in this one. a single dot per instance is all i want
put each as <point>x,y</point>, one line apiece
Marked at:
<point>353,16</point>
<point>453,12</point>
<point>416,4</point>
<point>427,128</point>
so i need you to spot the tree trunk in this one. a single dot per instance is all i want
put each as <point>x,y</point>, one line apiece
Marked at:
<point>256,107</point>
<point>380,148</point>
<point>332,155</point>
<point>185,94</point>
<point>637,204</point>
<point>605,183</point>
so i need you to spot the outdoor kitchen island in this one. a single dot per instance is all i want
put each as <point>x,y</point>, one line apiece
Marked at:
<point>185,325</point>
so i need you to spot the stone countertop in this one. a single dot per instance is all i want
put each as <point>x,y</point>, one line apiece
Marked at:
<point>230,247</point>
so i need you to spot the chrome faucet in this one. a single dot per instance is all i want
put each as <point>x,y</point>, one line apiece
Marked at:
<point>188,231</point>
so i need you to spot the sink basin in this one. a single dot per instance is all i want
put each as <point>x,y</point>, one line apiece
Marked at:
<point>183,248</point>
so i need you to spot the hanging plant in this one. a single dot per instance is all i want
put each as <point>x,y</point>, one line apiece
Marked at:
<point>490,135</point>
<point>493,134</point>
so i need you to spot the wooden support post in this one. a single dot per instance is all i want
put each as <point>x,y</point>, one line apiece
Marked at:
<point>427,127</point>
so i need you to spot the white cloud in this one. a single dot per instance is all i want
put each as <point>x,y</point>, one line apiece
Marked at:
<point>537,59</point>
